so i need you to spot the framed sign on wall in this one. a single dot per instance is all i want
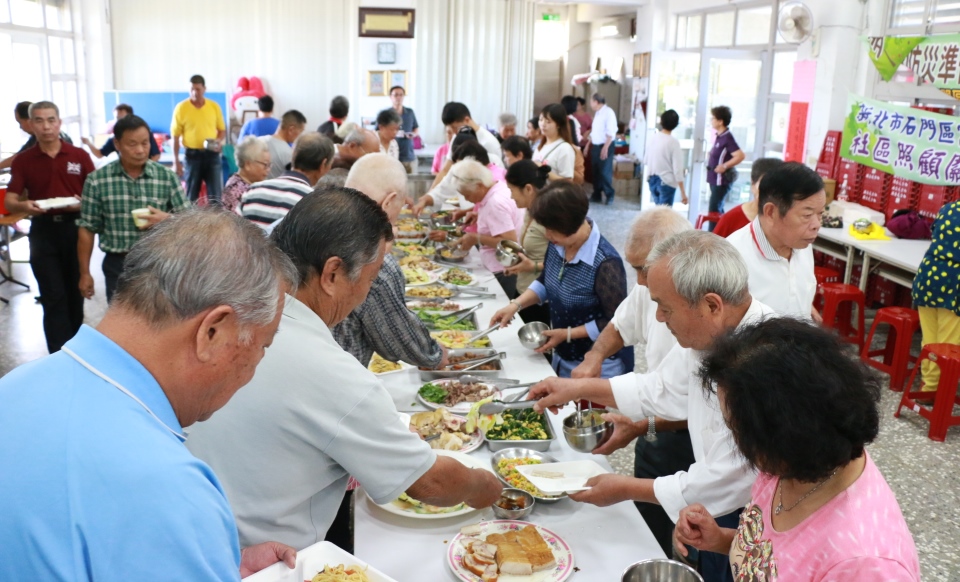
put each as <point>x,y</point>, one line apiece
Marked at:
<point>387,22</point>
<point>376,83</point>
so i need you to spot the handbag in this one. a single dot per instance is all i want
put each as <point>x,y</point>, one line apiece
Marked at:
<point>417,143</point>
<point>908,224</point>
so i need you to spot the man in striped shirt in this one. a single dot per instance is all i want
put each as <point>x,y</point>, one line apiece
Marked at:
<point>112,193</point>
<point>268,201</point>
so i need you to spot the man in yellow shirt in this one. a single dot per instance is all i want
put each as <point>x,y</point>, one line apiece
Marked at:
<point>198,122</point>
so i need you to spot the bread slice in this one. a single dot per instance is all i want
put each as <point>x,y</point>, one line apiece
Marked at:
<point>536,550</point>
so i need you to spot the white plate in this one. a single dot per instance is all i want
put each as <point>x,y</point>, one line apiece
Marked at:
<point>312,560</point>
<point>476,440</point>
<point>61,202</point>
<point>460,408</point>
<point>561,552</point>
<point>463,459</point>
<point>403,366</point>
<point>433,276</point>
<point>473,280</point>
<point>575,474</point>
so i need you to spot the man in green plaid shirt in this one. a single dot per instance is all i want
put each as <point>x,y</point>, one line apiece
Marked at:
<point>112,194</point>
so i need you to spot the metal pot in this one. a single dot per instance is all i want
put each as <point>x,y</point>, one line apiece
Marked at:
<point>660,571</point>
<point>507,253</point>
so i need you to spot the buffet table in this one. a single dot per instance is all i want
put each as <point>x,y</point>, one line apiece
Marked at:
<point>604,541</point>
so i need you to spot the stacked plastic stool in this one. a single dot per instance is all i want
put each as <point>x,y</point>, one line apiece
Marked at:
<point>903,324</point>
<point>838,302</point>
<point>940,415</point>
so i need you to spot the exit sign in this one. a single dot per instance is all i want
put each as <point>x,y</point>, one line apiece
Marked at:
<point>551,17</point>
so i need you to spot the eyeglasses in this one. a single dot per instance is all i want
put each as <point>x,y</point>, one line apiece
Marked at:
<point>264,164</point>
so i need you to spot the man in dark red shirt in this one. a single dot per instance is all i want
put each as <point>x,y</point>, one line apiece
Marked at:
<point>52,169</point>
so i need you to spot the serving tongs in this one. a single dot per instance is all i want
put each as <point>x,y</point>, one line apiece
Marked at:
<point>485,333</point>
<point>475,362</point>
<point>476,293</point>
<point>513,402</point>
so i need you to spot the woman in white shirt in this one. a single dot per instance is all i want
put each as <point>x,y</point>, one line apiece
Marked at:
<point>556,150</point>
<point>388,124</point>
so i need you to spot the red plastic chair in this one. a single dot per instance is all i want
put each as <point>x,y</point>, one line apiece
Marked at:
<point>903,324</point>
<point>947,358</point>
<point>838,301</point>
<point>823,275</point>
<point>713,217</point>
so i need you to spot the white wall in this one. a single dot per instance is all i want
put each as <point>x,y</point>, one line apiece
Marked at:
<point>478,52</point>
<point>609,50</point>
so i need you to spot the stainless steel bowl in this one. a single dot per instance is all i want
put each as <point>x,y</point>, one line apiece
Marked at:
<point>507,253</point>
<point>518,453</point>
<point>455,256</point>
<point>531,335</point>
<point>509,493</point>
<point>582,434</point>
<point>660,570</point>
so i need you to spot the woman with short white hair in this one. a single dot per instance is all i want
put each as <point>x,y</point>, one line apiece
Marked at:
<point>498,217</point>
<point>253,161</point>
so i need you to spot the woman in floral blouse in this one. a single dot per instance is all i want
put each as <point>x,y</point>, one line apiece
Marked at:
<point>253,161</point>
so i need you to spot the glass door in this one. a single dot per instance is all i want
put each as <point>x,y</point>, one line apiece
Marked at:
<point>677,89</point>
<point>26,60</point>
<point>739,79</point>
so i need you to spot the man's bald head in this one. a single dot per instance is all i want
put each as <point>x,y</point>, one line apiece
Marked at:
<point>359,143</point>
<point>383,179</point>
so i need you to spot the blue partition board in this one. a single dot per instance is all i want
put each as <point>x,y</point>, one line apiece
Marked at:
<point>156,107</point>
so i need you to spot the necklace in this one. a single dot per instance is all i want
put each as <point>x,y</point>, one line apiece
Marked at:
<point>780,508</point>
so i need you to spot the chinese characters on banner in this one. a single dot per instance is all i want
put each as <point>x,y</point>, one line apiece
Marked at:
<point>934,60</point>
<point>911,143</point>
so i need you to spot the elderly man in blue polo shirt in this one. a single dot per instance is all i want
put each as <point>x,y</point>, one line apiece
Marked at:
<point>97,484</point>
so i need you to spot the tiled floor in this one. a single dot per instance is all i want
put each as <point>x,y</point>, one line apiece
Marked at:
<point>924,475</point>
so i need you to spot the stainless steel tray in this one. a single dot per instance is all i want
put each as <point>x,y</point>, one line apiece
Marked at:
<point>471,319</point>
<point>540,445</point>
<point>516,452</point>
<point>427,375</point>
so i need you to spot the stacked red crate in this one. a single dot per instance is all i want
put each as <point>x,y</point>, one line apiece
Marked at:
<point>829,155</point>
<point>903,194</point>
<point>875,188</point>
<point>932,198</point>
<point>849,180</point>
<point>882,291</point>
<point>904,297</point>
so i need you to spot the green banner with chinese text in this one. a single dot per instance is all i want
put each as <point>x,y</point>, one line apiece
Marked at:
<point>903,141</point>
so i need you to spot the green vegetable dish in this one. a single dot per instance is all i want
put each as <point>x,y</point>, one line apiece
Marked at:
<point>457,277</point>
<point>433,393</point>
<point>443,322</point>
<point>519,425</point>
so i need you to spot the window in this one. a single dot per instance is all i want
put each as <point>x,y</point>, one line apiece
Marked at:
<point>783,72</point>
<point>719,31</point>
<point>753,25</point>
<point>907,13</point>
<point>924,16</point>
<point>27,13</point>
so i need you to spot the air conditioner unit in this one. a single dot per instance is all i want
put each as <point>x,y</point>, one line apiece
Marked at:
<point>616,29</point>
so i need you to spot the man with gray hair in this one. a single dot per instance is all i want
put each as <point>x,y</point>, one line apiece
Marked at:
<point>699,283</point>
<point>312,413</point>
<point>666,448</point>
<point>382,323</point>
<point>508,126</point>
<point>92,452</point>
<point>268,201</point>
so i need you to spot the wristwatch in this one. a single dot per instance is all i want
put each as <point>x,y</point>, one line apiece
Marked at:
<point>651,429</point>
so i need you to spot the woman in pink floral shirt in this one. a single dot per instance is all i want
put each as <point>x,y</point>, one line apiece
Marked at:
<point>801,410</point>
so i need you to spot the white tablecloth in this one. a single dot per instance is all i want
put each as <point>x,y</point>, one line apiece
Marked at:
<point>604,541</point>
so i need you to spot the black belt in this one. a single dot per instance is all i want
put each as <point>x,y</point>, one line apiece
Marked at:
<point>69,217</point>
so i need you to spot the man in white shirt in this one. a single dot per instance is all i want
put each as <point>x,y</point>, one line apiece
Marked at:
<point>312,415</point>
<point>666,449</point>
<point>602,134</point>
<point>280,143</point>
<point>699,283</point>
<point>664,162</point>
<point>776,246</point>
<point>456,115</point>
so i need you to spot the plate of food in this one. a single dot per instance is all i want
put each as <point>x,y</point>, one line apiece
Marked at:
<point>411,228</point>
<point>454,394</point>
<point>448,430</point>
<point>455,370</point>
<point>406,506</point>
<point>456,339</point>
<point>459,277</point>
<point>321,562</point>
<point>438,306</point>
<point>505,463</point>
<point>414,249</point>
<point>509,551</point>
<point>431,292</point>
<point>419,262</point>
<point>415,277</point>
<point>380,366</point>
